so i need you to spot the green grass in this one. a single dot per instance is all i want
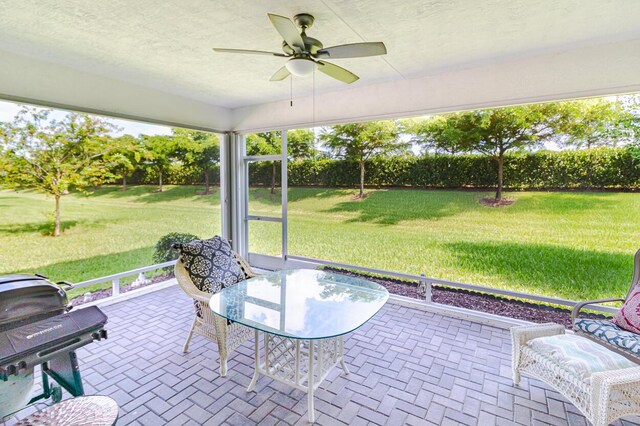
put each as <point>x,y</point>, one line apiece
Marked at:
<point>107,232</point>
<point>571,245</point>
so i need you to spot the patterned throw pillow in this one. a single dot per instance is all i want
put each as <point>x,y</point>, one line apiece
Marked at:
<point>629,316</point>
<point>210,264</point>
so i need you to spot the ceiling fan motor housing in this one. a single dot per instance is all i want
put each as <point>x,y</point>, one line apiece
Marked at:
<point>311,45</point>
<point>304,20</point>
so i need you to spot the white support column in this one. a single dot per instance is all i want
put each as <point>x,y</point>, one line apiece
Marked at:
<point>239,193</point>
<point>226,193</point>
<point>285,195</point>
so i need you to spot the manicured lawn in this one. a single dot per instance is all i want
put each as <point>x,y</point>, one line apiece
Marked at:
<point>108,232</point>
<point>571,245</point>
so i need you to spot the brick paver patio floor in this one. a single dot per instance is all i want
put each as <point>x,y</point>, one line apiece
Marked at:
<point>407,367</point>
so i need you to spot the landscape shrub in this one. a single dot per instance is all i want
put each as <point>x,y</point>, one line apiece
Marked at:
<point>596,168</point>
<point>165,252</point>
<point>177,175</point>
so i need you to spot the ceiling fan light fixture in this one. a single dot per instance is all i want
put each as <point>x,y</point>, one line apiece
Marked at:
<point>301,66</point>
<point>306,54</point>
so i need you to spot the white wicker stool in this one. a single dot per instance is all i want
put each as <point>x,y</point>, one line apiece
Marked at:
<point>602,397</point>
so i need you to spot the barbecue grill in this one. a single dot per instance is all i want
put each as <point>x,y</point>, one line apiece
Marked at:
<point>37,328</point>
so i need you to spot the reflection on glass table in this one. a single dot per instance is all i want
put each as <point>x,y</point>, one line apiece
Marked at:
<point>303,315</point>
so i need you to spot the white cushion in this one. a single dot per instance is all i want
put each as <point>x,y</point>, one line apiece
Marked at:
<point>579,354</point>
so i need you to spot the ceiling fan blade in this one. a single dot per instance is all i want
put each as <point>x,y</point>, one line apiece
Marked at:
<point>250,52</point>
<point>288,31</point>
<point>281,74</point>
<point>354,50</point>
<point>337,72</point>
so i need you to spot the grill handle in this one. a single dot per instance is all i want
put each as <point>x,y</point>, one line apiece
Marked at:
<point>49,353</point>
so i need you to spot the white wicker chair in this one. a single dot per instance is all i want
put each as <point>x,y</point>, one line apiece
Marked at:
<point>213,327</point>
<point>605,397</point>
<point>626,350</point>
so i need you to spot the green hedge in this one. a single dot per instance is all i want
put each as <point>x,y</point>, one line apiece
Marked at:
<point>177,175</point>
<point>598,168</point>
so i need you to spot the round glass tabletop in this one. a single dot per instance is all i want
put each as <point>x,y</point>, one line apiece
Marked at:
<point>301,303</point>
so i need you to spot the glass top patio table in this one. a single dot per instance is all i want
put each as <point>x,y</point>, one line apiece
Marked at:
<point>301,303</point>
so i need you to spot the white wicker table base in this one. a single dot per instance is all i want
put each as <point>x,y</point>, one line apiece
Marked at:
<point>302,364</point>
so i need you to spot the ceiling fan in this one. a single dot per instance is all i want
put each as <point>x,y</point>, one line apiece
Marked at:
<point>305,53</point>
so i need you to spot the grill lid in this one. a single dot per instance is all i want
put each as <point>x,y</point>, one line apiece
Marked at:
<point>21,277</point>
<point>28,298</point>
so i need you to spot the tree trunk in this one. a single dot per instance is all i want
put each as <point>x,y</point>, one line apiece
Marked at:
<point>273,178</point>
<point>56,231</point>
<point>361,179</point>
<point>160,181</point>
<point>124,182</point>
<point>206,181</point>
<point>500,176</point>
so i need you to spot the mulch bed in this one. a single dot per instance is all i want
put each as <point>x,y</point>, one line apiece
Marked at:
<point>482,302</point>
<point>102,294</point>
<point>491,202</point>
<point>476,301</point>
<point>357,197</point>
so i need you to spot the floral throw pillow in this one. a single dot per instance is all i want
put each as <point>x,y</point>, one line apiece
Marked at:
<point>210,264</point>
<point>629,316</point>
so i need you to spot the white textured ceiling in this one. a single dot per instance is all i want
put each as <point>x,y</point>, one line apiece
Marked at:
<point>166,45</point>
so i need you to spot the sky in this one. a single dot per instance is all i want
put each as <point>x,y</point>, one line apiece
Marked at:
<point>8,111</point>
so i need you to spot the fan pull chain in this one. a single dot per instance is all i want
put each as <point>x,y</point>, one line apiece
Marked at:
<point>291,92</point>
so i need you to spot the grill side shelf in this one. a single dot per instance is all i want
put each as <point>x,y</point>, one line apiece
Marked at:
<point>36,343</point>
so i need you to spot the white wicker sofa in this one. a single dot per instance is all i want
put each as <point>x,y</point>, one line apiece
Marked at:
<point>603,393</point>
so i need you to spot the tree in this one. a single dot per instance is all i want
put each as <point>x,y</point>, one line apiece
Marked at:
<point>440,133</point>
<point>54,156</point>
<point>300,144</point>
<point>127,154</point>
<point>160,151</point>
<point>362,141</point>
<point>597,122</point>
<point>495,131</point>
<point>5,163</point>
<point>266,143</point>
<point>197,149</point>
